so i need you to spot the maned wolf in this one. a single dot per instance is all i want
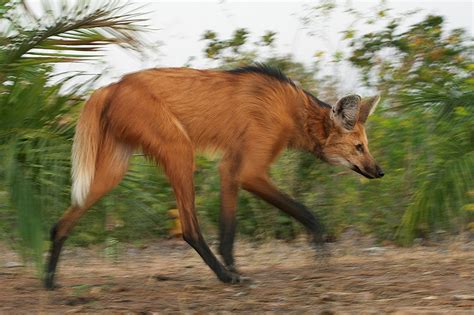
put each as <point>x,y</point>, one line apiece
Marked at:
<point>249,114</point>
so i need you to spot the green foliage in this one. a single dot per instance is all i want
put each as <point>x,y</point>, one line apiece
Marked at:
<point>422,134</point>
<point>425,76</point>
<point>216,48</point>
<point>35,117</point>
<point>426,70</point>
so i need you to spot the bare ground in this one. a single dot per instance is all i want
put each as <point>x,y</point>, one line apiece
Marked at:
<point>169,277</point>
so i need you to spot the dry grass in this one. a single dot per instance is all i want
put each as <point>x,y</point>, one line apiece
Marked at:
<point>169,277</point>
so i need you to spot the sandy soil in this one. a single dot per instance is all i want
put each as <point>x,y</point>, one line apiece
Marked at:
<point>168,277</point>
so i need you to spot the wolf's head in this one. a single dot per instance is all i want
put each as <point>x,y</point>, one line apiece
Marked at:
<point>347,141</point>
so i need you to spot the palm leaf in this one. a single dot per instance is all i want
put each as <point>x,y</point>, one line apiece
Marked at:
<point>35,127</point>
<point>440,199</point>
<point>81,28</point>
<point>449,174</point>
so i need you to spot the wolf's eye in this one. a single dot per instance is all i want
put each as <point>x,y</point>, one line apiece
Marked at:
<point>360,147</point>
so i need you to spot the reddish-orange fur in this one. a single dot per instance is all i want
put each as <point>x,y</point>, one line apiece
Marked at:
<point>169,114</point>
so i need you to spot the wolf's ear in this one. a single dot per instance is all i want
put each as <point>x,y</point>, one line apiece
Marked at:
<point>367,107</point>
<point>346,111</point>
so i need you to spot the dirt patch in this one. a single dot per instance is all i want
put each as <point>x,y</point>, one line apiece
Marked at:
<point>169,277</point>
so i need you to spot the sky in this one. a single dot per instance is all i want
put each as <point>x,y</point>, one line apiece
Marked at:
<point>178,27</point>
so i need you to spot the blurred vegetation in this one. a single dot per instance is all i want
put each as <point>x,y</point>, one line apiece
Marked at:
<point>422,133</point>
<point>36,115</point>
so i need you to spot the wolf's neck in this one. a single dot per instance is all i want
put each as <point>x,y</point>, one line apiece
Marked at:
<point>315,126</point>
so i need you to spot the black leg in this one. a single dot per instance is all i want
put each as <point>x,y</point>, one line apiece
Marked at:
<point>229,198</point>
<point>200,245</point>
<point>183,186</point>
<point>265,190</point>
<point>55,251</point>
<point>226,246</point>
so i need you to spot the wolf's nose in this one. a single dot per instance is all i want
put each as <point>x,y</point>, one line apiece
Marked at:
<point>380,173</point>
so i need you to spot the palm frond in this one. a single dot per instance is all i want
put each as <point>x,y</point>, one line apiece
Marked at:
<point>80,29</point>
<point>440,199</point>
<point>441,99</point>
<point>36,126</point>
